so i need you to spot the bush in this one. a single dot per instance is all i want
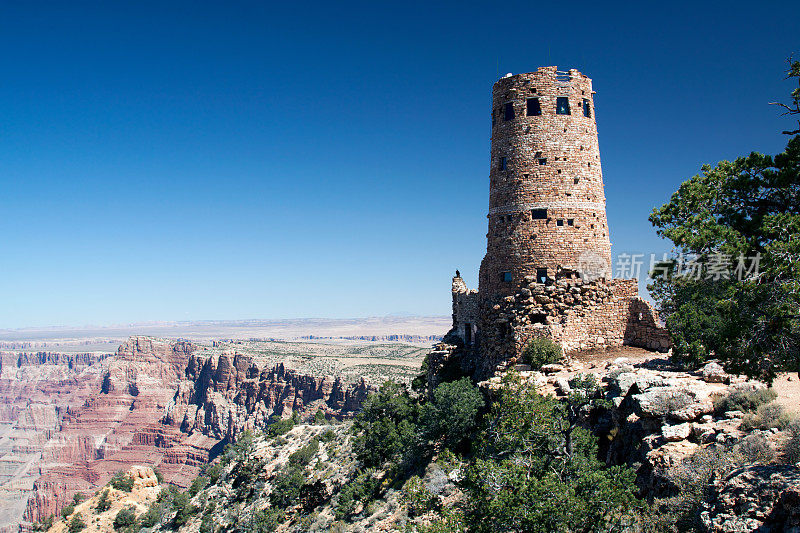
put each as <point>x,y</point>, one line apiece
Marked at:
<point>304,455</point>
<point>78,497</point>
<point>183,508</point>
<point>103,503</point>
<point>767,416</point>
<point>417,498</point>
<point>198,484</point>
<point>361,489</point>
<point>207,524</point>
<point>327,436</point>
<point>125,517</point>
<point>755,449</point>
<point>692,478</point>
<point>387,428</point>
<point>453,412</point>
<point>279,426</point>
<point>791,450</point>
<point>76,524</point>
<point>287,485</point>
<point>213,473</point>
<point>319,417</point>
<point>535,469</point>
<point>541,351</point>
<point>159,475</point>
<point>153,515</point>
<point>44,525</point>
<point>745,401</point>
<point>67,510</point>
<point>265,521</point>
<point>122,481</point>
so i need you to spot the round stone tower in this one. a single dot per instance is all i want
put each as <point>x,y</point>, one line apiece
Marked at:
<point>547,208</point>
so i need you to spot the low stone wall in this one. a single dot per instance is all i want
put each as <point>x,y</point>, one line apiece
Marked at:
<point>578,315</point>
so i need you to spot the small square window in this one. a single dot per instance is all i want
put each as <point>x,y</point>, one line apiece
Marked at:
<point>506,277</point>
<point>562,105</point>
<point>538,214</point>
<point>576,180</point>
<point>587,108</point>
<point>533,107</point>
<point>503,163</point>
<point>509,111</point>
<point>543,161</point>
<point>570,222</point>
<point>560,222</point>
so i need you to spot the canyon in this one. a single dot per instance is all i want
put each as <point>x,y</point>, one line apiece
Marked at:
<point>69,421</point>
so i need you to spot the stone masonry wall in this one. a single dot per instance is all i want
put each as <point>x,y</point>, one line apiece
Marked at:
<point>578,315</point>
<point>546,197</point>
<point>466,312</point>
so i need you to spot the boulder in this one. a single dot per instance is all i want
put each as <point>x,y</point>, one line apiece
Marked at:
<point>755,498</point>
<point>714,373</point>
<point>677,432</point>
<point>552,368</point>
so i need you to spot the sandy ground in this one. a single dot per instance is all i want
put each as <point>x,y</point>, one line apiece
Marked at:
<point>788,388</point>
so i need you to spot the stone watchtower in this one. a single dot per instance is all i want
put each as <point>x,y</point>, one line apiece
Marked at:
<point>547,269</point>
<point>547,208</point>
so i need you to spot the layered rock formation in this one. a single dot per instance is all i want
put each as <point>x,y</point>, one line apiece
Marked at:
<point>37,390</point>
<point>70,422</point>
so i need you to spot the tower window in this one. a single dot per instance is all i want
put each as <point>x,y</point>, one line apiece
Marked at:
<point>562,105</point>
<point>587,110</point>
<point>534,108</point>
<point>541,275</point>
<point>506,277</point>
<point>543,161</point>
<point>509,111</point>
<point>570,222</point>
<point>503,163</point>
<point>538,214</point>
<point>576,180</point>
<point>560,222</point>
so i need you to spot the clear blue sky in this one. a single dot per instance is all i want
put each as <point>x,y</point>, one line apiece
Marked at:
<point>197,160</point>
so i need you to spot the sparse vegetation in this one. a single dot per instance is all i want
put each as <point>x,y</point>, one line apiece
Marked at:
<point>122,481</point>
<point>67,510</point>
<point>76,524</point>
<point>744,400</point>
<point>279,426</point>
<point>126,517</point>
<point>359,490</point>
<point>791,450</point>
<point>103,502</point>
<point>681,513</point>
<point>767,416</point>
<point>755,449</point>
<point>418,499</point>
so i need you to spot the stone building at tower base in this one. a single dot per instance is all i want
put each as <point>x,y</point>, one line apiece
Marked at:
<point>577,314</point>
